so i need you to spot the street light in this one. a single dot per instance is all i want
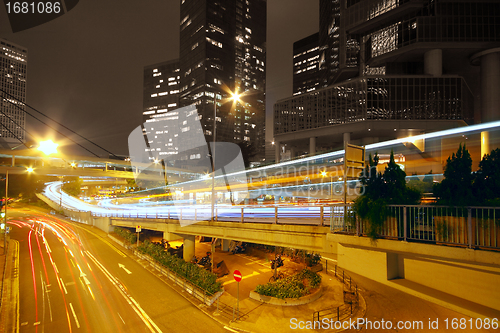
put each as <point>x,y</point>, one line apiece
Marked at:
<point>324,174</point>
<point>48,147</point>
<point>235,97</point>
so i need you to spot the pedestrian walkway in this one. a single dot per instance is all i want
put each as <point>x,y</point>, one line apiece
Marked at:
<point>10,286</point>
<point>255,316</point>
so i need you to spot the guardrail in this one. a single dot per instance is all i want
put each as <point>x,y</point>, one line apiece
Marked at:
<point>351,298</point>
<point>308,215</point>
<point>472,227</point>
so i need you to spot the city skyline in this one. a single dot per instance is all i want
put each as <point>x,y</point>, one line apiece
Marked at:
<point>81,62</point>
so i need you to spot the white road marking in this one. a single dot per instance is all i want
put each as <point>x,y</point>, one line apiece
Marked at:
<point>74,315</point>
<point>64,287</point>
<point>123,321</point>
<point>126,270</point>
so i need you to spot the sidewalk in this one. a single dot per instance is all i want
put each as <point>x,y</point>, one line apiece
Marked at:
<point>9,271</point>
<point>256,316</point>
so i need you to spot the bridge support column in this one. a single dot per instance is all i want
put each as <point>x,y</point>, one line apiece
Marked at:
<point>312,146</point>
<point>189,241</point>
<point>168,236</point>
<point>225,244</point>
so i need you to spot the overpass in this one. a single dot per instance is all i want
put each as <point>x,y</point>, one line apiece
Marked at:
<point>471,273</point>
<point>457,254</point>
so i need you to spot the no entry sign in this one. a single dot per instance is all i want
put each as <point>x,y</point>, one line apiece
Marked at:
<point>237,275</point>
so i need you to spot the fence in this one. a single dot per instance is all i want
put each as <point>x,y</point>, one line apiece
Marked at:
<point>472,227</point>
<point>351,298</point>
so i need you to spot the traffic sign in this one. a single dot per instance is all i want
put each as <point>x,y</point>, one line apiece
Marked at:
<point>138,228</point>
<point>237,275</point>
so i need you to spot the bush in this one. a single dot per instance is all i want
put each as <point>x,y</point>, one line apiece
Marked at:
<point>312,259</point>
<point>129,237</point>
<point>294,286</point>
<point>191,272</point>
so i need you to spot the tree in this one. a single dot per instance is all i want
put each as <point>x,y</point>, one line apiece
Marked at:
<point>381,190</point>
<point>486,187</point>
<point>456,187</point>
<point>72,185</point>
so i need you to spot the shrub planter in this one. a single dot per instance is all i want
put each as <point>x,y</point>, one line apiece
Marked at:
<point>287,301</point>
<point>197,292</point>
<point>316,268</point>
<point>194,290</point>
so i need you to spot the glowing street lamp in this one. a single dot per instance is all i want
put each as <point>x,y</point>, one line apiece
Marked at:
<point>48,147</point>
<point>235,97</point>
<point>324,174</point>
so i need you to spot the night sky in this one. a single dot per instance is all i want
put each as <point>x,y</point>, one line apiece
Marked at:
<point>85,69</point>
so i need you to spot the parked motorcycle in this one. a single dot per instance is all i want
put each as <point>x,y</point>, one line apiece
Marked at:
<point>240,248</point>
<point>278,262</point>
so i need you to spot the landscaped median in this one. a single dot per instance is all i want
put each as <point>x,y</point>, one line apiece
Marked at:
<point>301,288</point>
<point>192,278</point>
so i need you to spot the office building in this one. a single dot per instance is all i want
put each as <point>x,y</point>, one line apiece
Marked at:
<point>306,76</point>
<point>393,68</point>
<point>222,51</point>
<point>13,66</point>
<point>161,89</point>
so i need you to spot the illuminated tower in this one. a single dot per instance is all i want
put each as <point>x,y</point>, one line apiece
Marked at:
<point>13,65</point>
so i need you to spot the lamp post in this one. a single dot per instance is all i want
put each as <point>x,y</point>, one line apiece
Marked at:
<point>324,174</point>
<point>235,97</point>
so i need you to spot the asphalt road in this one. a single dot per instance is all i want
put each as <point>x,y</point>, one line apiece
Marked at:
<point>72,279</point>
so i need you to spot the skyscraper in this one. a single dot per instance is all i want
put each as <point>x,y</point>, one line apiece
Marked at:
<point>393,68</point>
<point>306,75</point>
<point>222,51</point>
<point>13,65</point>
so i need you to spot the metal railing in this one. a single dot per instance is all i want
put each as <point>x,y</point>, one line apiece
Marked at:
<point>472,227</point>
<point>308,215</point>
<point>351,298</point>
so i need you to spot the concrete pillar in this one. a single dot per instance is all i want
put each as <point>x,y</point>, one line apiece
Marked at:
<point>312,146</point>
<point>277,151</point>
<point>485,143</point>
<point>433,62</point>
<point>490,86</point>
<point>347,138</point>
<point>189,241</point>
<point>225,244</point>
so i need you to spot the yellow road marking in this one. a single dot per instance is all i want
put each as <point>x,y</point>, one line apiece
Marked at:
<point>244,277</point>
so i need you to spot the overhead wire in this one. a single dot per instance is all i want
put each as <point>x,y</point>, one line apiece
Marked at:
<point>65,127</point>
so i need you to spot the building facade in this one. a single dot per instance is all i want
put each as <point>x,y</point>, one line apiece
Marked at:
<point>222,51</point>
<point>306,75</point>
<point>395,67</point>
<point>13,68</point>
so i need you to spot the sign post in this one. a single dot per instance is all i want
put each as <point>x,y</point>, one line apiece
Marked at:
<point>138,230</point>
<point>237,277</point>
<point>354,163</point>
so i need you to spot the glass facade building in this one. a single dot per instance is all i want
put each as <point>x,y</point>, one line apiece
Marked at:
<point>397,60</point>
<point>222,51</point>
<point>377,98</point>
<point>306,64</point>
<point>13,66</point>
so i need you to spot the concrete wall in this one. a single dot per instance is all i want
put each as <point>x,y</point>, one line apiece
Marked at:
<point>474,281</point>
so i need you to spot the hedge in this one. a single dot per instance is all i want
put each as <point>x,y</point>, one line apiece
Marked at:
<point>130,237</point>
<point>191,272</point>
<point>294,286</point>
